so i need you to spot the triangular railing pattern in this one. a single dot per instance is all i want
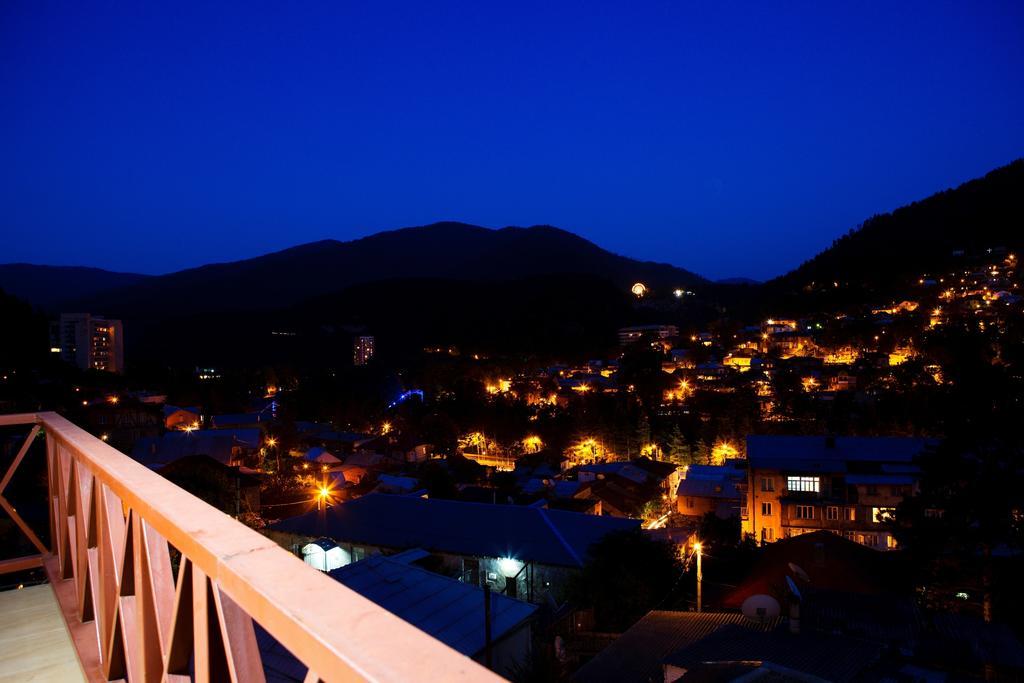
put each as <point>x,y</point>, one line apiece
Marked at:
<point>117,530</point>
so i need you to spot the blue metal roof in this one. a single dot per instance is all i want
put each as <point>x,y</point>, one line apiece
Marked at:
<point>216,443</point>
<point>449,610</point>
<point>528,534</point>
<point>817,454</point>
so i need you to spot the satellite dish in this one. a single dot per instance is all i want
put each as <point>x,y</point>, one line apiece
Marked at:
<point>761,607</point>
<point>793,589</point>
<point>800,573</point>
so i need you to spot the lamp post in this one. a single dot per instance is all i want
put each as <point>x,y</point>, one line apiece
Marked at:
<point>697,548</point>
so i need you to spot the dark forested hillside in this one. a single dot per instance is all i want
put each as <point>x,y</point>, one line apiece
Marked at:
<point>49,286</point>
<point>453,251</point>
<point>930,235</point>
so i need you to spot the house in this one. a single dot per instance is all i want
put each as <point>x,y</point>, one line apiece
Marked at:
<point>637,654</point>
<point>523,551</point>
<point>324,554</point>
<point>847,485</point>
<point>123,422</point>
<point>176,418</point>
<point>319,455</point>
<point>447,609</point>
<point>227,446</point>
<point>358,465</point>
<point>778,653</point>
<point>719,489</point>
<point>828,561</point>
<point>240,420</point>
<point>450,610</point>
<point>390,483</point>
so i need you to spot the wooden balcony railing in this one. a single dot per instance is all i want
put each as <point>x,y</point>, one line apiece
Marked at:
<point>113,524</point>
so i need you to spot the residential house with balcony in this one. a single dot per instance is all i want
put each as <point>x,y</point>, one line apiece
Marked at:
<point>846,485</point>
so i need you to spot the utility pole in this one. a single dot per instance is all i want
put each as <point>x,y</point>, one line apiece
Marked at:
<point>700,573</point>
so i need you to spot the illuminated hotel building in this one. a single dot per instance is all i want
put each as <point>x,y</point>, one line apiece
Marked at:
<point>90,342</point>
<point>362,350</point>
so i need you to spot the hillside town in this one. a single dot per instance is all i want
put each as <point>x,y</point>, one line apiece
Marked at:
<point>557,342</point>
<point>545,482</point>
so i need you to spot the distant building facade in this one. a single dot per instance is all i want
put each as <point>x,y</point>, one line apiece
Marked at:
<point>88,341</point>
<point>362,349</point>
<point>846,485</point>
<point>651,333</point>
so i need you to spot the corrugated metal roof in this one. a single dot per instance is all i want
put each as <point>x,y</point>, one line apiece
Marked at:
<point>787,451</point>
<point>637,654</point>
<point>706,488</point>
<point>834,658</point>
<point>529,534</point>
<point>449,610</point>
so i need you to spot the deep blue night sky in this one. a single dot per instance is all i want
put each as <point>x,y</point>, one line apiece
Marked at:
<point>727,138</point>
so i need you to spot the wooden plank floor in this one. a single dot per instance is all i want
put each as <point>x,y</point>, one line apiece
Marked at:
<point>34,642</point>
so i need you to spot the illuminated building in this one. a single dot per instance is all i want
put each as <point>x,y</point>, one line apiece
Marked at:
<point>362,350</point>
<point>846,485</point>
<point>90,342</point>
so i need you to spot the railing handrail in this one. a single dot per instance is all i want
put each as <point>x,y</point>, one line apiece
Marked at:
<point>330,628</point>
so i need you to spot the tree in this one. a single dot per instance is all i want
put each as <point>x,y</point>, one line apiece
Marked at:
<point>968,506</point>
<point>626,575</point>
<point>678,449</point>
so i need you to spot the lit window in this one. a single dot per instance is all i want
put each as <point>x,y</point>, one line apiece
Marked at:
<point>807,484</point>
<point>881,515</point>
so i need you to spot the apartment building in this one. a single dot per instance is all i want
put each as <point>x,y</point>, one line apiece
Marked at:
<point>846,485</point>
<point>362,349</point>
<point>88,341</point>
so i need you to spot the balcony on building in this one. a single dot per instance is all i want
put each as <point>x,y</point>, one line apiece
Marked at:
<point>111,572</point>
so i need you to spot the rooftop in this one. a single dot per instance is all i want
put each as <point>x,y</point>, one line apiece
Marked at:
<point>830,453</point>
<point>449,610</point>
<point>529,534</point>
<point>638,653</point>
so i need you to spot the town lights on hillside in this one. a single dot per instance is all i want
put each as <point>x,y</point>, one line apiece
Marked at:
<point>385,428</point>
<point>680,392</point>
<point>639,290</point>
<point>502,386</point>
<point>532,444</point>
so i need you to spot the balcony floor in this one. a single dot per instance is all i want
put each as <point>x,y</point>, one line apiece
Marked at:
<point>34,641</point>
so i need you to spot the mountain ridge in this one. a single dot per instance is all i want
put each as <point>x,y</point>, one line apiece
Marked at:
<point>446,250</point>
